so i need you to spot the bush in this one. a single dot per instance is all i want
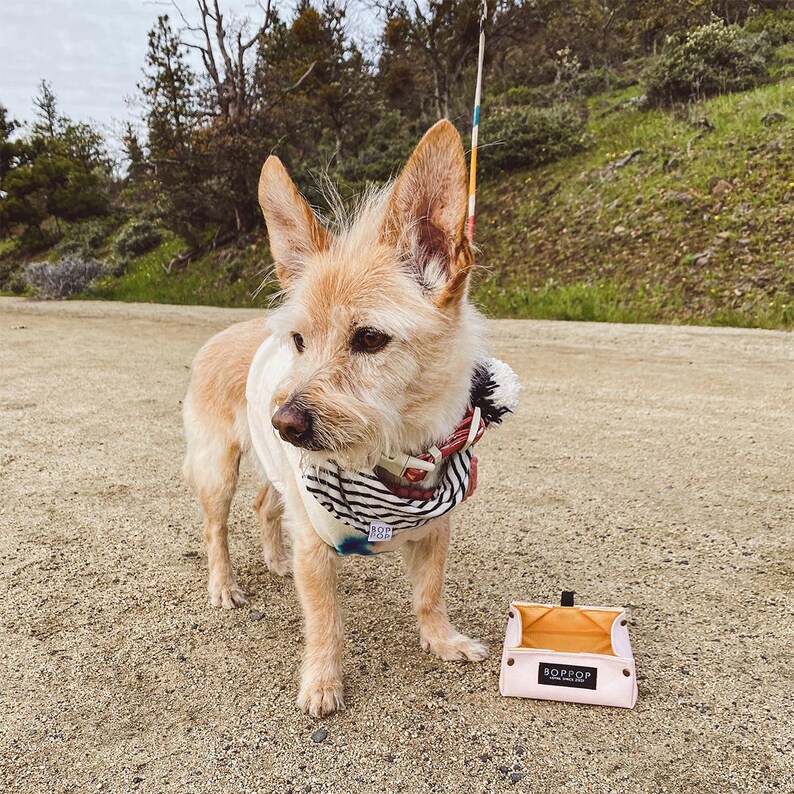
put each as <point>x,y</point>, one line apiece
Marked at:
<point>137,237</point>
<point>84,238</point>
<point>381,155</point>
<point>531,136</point>
<point>536,96</point>
<point>713,59</point>
<point>62,279</point>
<point>777,25</point>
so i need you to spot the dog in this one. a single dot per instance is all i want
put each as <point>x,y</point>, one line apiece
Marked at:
<point>383,341</point>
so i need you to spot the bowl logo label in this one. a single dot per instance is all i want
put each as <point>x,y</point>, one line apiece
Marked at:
<point>567,675</point>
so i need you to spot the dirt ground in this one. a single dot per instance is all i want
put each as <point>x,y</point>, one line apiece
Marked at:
<point>648,467</point>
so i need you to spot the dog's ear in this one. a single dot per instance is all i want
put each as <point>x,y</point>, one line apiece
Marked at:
<point>427,211</point>
<point>293,229</point>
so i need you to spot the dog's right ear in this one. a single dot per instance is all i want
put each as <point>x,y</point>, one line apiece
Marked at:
<point>426,212</point>
<point>293,229</point>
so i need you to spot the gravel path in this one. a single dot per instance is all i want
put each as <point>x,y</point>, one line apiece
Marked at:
<point>649,467</point>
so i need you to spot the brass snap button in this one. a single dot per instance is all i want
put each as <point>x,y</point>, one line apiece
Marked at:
<point>627,673</point>
<point>623,622</point>
<point>510,614</point>
<point>511,662</point>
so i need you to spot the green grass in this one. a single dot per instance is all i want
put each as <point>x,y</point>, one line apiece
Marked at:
<point>202,281</point>
<point>613,302</point>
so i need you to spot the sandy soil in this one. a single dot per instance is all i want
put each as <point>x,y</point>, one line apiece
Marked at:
<point>649,467</point>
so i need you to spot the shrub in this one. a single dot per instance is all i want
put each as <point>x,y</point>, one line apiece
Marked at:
<point>62,279</point>
<point>84,238</point>
<point>537,96</point>
<point>388,144</point>
<point>777,25</point>
<point>531,136</point>
<point>713,59</point>
<point>137,237</point>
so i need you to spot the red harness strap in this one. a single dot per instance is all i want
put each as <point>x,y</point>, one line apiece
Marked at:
<point>456,441</point>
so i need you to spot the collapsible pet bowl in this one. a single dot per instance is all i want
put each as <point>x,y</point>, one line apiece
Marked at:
<point>577,654</point>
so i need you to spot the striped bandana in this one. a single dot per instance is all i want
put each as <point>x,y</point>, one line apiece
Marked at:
<point>360,498</point>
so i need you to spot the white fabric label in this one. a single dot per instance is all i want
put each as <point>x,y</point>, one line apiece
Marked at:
<point>379,531</point>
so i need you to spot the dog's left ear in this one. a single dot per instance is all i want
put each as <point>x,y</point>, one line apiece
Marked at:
<point>293,229</point>
<point>427,211</point>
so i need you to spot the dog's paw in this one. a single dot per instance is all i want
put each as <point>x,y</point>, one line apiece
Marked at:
<point>227,595</point>
<point>455,648</point>
<point>321,698</point>
<point>279,564</point>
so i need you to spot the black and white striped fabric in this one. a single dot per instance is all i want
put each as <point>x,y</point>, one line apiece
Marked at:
<point>359,498</point>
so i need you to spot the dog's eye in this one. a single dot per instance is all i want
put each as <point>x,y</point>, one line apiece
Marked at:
<point>368,340</point>
<point>298,340</point>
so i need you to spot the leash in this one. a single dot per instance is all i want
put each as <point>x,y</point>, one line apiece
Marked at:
<point>475,128</point>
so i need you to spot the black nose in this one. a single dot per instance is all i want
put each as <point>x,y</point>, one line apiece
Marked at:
<point>294,424</point>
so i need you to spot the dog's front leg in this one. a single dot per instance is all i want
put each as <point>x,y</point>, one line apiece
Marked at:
<point>425,561</point>
<point>315,568</point>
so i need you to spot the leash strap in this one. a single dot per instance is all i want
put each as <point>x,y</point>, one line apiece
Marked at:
<point>476,124</point>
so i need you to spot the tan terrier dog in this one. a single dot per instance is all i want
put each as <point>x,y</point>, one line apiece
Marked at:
<point>383,343</point>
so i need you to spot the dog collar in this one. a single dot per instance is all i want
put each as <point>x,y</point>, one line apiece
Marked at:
<point>493,394</point>
<point>415,468</point>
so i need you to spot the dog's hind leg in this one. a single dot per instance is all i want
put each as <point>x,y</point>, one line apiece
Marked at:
<point>425,561</point>
<point>211,466</point>
<point>269,509</point>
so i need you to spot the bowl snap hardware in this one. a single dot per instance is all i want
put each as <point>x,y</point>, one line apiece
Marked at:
<point>511,662</point>
<point>627,673</point>
<point>510,614</point>
<point>623,622</point>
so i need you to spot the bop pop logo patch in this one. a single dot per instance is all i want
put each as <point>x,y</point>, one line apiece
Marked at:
<point>567,675</point>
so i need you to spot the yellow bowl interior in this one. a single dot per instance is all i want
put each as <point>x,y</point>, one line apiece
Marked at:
<point>567,629</point>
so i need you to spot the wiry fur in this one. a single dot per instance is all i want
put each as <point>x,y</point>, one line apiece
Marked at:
<point>399,264</point>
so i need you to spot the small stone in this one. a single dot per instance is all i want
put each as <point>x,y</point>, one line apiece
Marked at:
<point>619,229</point>
<point>504,769</point>
<point>704,123</point>
<point>702,258</point>
<point>137,780</point>
<point>773,118</point>
<point>515,776</point>
<point>256,615</point>
<point>775,147</point>
<point>519,749</point>
<point>679,198</point>
<point>672,164</point>
<point>721,187</point>
<point>319,735</point>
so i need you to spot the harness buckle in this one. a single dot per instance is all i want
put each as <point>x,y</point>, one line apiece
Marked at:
<point>400,463</point>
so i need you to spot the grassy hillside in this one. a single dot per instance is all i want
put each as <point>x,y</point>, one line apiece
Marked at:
<point>667,216</point>
<point>697,226</point>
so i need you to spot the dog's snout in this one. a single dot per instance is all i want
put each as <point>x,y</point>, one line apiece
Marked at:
<point>294,424</point>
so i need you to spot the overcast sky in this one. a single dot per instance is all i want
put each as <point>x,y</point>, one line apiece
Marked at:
<point>92,52</point>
